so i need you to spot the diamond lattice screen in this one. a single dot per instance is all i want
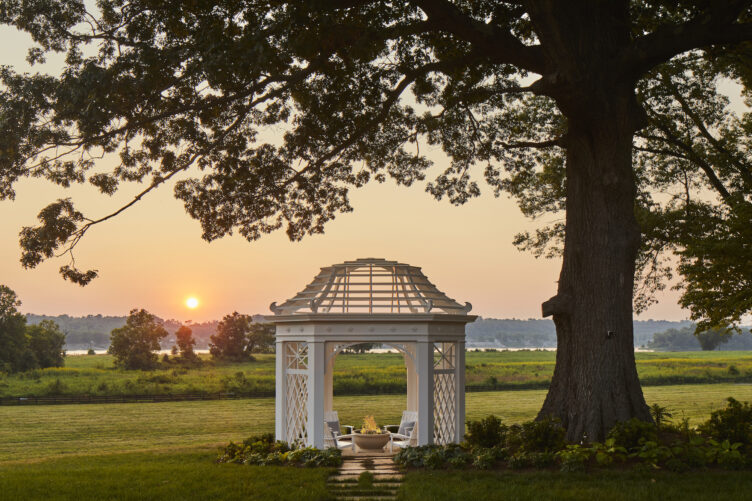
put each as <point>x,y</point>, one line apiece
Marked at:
<point>296,358</point>
<point>444,393</point>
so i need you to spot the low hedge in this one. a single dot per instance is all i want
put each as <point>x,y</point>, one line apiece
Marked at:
<point>263,450</point>
<point>724,441</point>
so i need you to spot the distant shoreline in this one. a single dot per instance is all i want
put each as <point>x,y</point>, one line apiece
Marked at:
<point>375,350</point>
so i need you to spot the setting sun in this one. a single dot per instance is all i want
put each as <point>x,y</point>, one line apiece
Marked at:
<point>191,302</point>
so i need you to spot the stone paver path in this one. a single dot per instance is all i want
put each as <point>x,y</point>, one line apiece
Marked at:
<point>387,478</point>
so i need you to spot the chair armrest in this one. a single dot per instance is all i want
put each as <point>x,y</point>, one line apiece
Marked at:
<point>397,436</point>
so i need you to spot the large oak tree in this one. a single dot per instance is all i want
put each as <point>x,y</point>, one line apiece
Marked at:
<point>608,110</point>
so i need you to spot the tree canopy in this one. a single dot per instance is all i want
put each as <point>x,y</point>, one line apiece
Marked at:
<point>14,353</point>
<point>609,113</point>
<point>24,347</point>
<point>185,343</point>
<point>46,341</point>
<point>238,336</point>
<point>134,345</point>
<point>357,87</point>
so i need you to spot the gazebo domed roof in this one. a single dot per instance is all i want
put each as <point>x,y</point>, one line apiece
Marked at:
<point>370,286</point>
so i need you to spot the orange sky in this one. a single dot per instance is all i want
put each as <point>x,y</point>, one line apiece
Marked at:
<point>153,257</point>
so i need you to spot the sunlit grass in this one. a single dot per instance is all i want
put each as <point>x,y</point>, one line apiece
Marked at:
<point>29,432</point>
<point>355,374</point>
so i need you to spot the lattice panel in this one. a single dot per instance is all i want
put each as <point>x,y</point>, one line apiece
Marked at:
<point>297,406</point>
<point>444,392</point>
<point>444,356</point>
<point>296,368</point>
<point>296,355</point>
<point>444,407</point>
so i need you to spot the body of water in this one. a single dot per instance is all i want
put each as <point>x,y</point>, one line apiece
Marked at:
<point>375,350</point>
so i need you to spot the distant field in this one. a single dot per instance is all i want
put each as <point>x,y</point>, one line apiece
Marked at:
<point>358,374</point>
<point>39,432</point>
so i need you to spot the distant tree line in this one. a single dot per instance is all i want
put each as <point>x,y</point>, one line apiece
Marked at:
<point>135,345</point>
<point>24,347</point>
<point>535,333</point>
<point>685,339</point>
<point>94,331</point>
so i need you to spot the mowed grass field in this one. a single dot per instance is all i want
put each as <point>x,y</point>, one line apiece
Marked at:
<point>356,374</point>
<point>166,451</point>
<point>32,433</point>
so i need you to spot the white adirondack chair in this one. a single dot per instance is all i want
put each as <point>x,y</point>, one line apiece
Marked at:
<point>406,435</point>
<point>333,436</point>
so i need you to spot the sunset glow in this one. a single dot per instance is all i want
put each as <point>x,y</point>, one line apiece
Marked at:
<point>191,303</point>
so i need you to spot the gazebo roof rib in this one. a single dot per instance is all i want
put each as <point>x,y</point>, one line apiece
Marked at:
<point>370,285</point>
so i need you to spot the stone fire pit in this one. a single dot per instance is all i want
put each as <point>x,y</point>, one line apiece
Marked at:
<point>370,441</point>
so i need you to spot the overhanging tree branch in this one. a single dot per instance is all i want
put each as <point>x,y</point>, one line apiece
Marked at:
<point>551,143</point>
<point>713,178</point>
<point>499,45</point>
<point>744,170</point>
<point>391,98</point>
<point>711,27</point>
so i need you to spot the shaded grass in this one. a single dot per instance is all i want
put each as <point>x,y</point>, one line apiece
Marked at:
<point>611,485</point>
<point>187,475</point>
<point>35,432</point>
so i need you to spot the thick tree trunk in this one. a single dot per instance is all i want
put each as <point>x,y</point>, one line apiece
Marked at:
<point>595,381</point>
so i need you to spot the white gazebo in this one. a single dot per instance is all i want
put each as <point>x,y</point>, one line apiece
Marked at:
<point>370,301</point>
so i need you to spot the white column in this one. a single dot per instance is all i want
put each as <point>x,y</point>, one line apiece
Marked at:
<point>316,369</point>
<point>280,393</point>
<point>412,383</point>
<point>329,379</point>
<point>459,395</point>
<point>424,363</point>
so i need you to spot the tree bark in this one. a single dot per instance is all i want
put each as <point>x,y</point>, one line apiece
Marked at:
<point>595,383</point>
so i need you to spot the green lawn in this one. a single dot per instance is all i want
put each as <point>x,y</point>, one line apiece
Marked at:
<point>165,451</point>
<point>601,485</point>
<point>167,476</point>
<point>357,374</point>
<point>194,475</point>
<point>33,432</point>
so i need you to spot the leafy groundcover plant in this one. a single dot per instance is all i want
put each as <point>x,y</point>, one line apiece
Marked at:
<point>263,450</point>
<point>724,441</point>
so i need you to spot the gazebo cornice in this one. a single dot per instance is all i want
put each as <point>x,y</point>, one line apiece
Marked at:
<point>366,318</point>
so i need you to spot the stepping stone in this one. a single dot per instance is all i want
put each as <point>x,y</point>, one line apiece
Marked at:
<point>387,479</point>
